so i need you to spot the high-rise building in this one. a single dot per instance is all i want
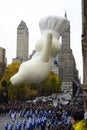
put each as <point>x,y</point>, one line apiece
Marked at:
<point>3,61</point>
<point>84,46</point>
<point>22,41</point>
<point>66,61</point>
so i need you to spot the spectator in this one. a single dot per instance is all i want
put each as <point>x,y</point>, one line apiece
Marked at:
<point>78,121</point>
<point>48,125</point>
<point>85,117</point>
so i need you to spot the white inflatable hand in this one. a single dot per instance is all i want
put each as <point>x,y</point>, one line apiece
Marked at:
<point>36,69</point>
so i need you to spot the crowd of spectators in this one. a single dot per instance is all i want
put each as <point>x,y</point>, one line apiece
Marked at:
<point>49,116</point>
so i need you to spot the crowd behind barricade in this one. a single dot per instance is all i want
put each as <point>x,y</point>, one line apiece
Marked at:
<point>41,115</point>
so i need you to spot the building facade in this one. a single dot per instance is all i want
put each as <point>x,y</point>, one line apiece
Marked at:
<point>84,47</point>
<point>22,41</point>
<point>17,59</point>
<point>66,61</point>
<point>3,61</point>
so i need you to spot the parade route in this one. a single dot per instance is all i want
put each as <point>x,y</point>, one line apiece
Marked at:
<point>2,121</point>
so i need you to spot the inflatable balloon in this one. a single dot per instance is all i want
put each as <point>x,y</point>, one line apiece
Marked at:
<point>37,69</point>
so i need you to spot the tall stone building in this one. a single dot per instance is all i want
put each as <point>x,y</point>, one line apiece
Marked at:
<point>3,61</point>
<point>66,61</point>
<point>22,41</point>
<point>84,46</point>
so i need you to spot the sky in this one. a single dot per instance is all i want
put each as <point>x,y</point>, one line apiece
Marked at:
<point>31,11</point>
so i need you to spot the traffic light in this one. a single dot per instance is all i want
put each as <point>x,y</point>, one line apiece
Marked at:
<point>3,96</point>
<point>4,93</point>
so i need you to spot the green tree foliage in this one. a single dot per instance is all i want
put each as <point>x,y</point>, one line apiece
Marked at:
<point>21,92</point>
<point>26,91</point>
<point>10,71</point>
<point>50,85</point>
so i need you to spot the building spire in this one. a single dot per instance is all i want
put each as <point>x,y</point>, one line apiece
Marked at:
<point>65,14</point>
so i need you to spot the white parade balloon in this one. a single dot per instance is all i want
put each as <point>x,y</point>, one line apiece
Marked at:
<point>37,69</point>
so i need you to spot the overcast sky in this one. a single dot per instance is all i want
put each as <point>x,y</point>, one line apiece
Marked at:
<point>31,11</point>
